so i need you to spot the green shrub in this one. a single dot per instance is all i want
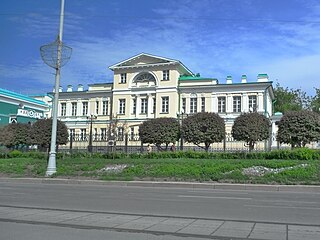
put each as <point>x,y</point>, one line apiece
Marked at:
<point>4,152</point>
<point>15,154</point>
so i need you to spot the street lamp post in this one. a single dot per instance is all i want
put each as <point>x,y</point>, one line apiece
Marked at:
<point>91,118</point>
<point>55,55</point>
<point>181,134</point>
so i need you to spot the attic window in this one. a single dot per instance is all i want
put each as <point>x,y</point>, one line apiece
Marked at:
<point>144,77</point>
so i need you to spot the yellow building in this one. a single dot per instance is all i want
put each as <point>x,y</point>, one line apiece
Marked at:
<point>147,86</point>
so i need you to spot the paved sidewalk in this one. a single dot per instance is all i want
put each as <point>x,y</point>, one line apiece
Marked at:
<point>185,227</point>
<point>193,185</point>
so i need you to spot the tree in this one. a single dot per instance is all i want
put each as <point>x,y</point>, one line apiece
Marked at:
<point>315,102</point>
<point>299,128</point>
<point>41,133</point>
<point>204,128</point>
<point>159,131</point>
<point>290,99</point>
<point>15,134</point>
<point>251,128</point>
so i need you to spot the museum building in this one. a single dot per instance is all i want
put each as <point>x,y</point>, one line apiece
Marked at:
<point>147,86</point>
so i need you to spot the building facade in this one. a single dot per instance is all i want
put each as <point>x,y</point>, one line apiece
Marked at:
<point>18,108</point>
<point>147,86</point>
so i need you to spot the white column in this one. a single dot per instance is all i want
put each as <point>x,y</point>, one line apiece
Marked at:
<point>244,103</point>
<point>68,109</point>
<point>260,102</point>
<point>187,110</point>
<point>150,105</point>
<point>138,105</point>
<point>229,103</point>
<point>199,103</point>
<point>214,103</point>
<point>79,108</point>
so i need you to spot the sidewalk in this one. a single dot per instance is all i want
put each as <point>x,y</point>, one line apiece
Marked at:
<point>193,185</point>
<point>183,227</point>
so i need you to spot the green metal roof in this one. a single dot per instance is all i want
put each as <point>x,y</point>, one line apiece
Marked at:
<point>262,75</point>
<point>195,78</point>
<point>21,97</point>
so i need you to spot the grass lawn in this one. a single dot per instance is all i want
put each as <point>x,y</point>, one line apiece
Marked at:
<point>168,169</point>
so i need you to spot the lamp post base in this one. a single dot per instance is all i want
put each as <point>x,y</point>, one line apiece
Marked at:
<point>51,169</point>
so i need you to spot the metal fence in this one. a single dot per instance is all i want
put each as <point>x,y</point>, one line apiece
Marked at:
<point>130,143</point>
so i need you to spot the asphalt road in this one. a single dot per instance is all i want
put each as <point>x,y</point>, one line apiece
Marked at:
<point>255,206</point>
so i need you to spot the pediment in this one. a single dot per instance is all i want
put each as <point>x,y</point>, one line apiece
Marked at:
<point>141,60</point>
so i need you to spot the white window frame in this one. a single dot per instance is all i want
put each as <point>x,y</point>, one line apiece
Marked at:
<point>166,75</point>
<point>134,106</point>
<point>123,78</point>
<point>85,106</point>
<point>203,104</point>
<point>122,106</point>
<point>74,107</point>
<point>144,106</point>
<point>193,104</point>
<point>184,105</point>
<point>252,102</point>
<point>63,109</point>
<point>165,104</point>
<point>105,107</point>
<point>154,107</point>
<point>97,107</point>
<point>236,106</point>
<point>222,104</point>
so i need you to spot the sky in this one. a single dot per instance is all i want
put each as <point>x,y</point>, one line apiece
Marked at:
<point>215,38</point>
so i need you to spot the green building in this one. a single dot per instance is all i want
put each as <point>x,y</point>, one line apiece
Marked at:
<point>15,107</point>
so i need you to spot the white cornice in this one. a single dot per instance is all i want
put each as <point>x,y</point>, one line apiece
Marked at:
<point>145,65</point>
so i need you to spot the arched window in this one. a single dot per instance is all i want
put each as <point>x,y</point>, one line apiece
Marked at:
<point>144,79</point>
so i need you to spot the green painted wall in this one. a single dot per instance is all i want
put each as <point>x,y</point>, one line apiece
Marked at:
<point>7,109</point>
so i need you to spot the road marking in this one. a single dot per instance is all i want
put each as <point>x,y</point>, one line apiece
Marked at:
<point>231,198</point>
<point>261,206</point>
<point>218,192</point>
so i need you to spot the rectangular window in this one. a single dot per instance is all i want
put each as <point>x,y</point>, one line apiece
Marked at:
<point>154,106</point>
<point>203,104</point>
<point>165,74</point>
<point>120,133</point>
<point>165,105</point>
<point>105,108</point>
<point>193,105</point>
<point>74,109</point>
<point>123,78</point>
<point>122,106</point>
<point>184,105</point>
<point>72,134</point>
<point>144,105</point>
<point>83,134</point>
<point>237,104</point>
<point>134,106</point>
<point>252,103</point>
<point>97,107</point>
<point>132,133</point>
<point>85,108</point>
<point>95,134</point>
<point>221,104</point>
<point>63,109</point>
<point>103,132</point>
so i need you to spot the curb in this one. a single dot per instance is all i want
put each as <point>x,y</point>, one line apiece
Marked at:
<point>222,186</point>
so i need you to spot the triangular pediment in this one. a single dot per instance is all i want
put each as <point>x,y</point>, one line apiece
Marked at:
<point>143,59</point>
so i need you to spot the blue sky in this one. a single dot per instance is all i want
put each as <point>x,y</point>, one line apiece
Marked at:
<point>215,38</point>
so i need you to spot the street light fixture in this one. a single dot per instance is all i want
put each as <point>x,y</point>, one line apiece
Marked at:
<point>55,55</point>
<point>91,118</point>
